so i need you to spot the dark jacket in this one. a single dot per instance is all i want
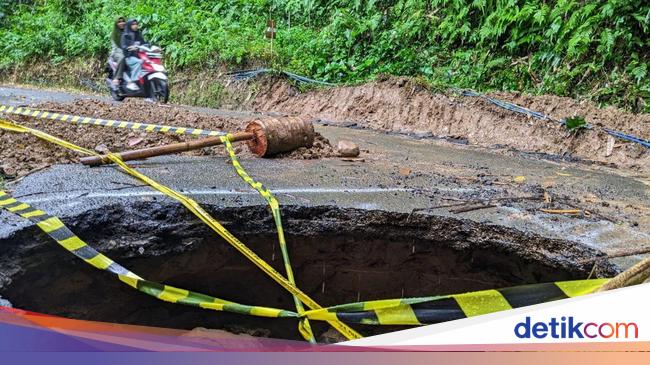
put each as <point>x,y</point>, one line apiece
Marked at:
<point>130,38</point>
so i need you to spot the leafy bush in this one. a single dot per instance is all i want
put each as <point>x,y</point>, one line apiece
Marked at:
<point>595,49</point>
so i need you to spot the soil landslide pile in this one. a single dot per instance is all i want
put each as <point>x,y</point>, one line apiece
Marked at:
<point>402,105</point>
<point>21,154</point>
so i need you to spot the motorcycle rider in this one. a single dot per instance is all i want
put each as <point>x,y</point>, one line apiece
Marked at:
<point>131,38</point>
<point>116,51</point>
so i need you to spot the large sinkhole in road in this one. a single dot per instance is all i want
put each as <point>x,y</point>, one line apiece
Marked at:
<point>339,256</point>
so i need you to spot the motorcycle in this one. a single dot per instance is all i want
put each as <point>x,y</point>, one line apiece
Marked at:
<point>152,82</point>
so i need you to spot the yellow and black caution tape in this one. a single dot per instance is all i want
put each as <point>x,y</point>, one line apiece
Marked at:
<point>406,311</point>
<point>197,210</point>
<point>75,119</point>
<point>304,327</point>
<point>429,310</point>
<point>75,245</point>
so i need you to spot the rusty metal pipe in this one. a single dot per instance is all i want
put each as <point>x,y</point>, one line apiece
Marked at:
<point>265,137</point>
<point>166,149</point>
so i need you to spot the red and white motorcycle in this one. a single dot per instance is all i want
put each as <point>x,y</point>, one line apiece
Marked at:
<point>153,82</point>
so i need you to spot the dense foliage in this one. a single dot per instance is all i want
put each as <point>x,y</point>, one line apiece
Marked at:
<point>597,49</point>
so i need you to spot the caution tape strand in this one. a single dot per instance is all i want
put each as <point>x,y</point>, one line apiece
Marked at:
<point>304,327</point>
<point>76,119</point>
<point>55,228</point>
<point>203,215</point>
<point>436,309</point>
<point>405,311</point>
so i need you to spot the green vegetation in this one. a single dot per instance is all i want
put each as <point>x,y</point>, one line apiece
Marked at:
<point>575,123</point>
<point>586,48</point>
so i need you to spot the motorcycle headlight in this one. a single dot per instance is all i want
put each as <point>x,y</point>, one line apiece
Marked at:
<point>157,67</point>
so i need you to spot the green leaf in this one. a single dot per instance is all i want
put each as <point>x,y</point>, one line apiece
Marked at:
<point>575,123</point>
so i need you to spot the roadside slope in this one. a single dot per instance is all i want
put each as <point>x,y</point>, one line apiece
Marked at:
<point>400,105</point>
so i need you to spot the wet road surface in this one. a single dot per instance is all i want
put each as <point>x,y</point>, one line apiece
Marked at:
<point>397,173</point>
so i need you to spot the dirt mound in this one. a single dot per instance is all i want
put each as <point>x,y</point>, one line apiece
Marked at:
<point>21,154</point>
<point>403,105</point>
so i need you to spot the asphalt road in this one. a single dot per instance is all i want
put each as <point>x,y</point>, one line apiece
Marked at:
<point>398,173</point>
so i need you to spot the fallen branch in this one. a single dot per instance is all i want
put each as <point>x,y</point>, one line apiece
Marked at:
<point>472,208</point>
<point>562,211</point>
<point>14,181</point>
<point>629,252</point>
<point>476,202</point>
<point>619,253</point>
<point>469,206</point>
<point>592,213</point>
<point>637,274</point>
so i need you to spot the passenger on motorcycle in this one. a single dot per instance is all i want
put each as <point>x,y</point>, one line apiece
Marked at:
<point>116,51</point>
<point>130,40</point>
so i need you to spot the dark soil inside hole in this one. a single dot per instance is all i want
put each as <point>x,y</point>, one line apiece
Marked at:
<point>339,256</point>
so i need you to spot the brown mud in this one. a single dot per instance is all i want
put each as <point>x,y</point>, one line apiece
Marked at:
<point>404,106</point>
<point>391,104</point>
<point>21,154</point>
